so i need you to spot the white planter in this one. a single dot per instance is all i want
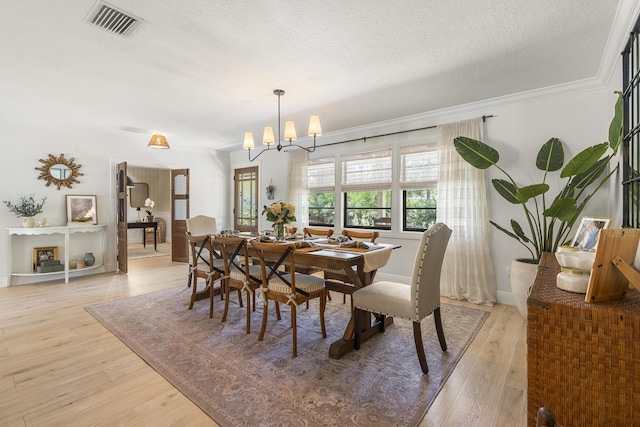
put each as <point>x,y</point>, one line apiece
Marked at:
<point>523,274</point>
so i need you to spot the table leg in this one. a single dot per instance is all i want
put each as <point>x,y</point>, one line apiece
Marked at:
<point>155,237</point>
<point>345,344</point>
<point>144,237</point>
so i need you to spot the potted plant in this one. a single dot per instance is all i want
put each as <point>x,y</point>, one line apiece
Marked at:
<point>26,208</point>
<point>548,219</point>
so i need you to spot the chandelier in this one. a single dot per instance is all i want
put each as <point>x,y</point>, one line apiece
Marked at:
<point>290,135</point>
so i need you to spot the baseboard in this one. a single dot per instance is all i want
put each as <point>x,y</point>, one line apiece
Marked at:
<point>505,298</point>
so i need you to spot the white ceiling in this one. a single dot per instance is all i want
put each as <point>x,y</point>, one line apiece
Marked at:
<point>203,71</point>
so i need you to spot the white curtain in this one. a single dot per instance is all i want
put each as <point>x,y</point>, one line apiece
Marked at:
<point>298,194</point>
<point>467,272</point>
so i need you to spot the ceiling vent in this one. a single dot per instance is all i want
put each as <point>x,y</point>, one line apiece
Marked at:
<point>112,19</point>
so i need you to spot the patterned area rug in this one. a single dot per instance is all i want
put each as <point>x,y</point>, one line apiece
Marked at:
<point>238,380</point>
<point>138,251</point>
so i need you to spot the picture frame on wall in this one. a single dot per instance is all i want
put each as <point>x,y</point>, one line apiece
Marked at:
<point>586,238</point>
<point>46,253</point>
<point>82,210</point>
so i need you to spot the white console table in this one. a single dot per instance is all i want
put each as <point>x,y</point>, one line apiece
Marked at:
<point>67,231</point>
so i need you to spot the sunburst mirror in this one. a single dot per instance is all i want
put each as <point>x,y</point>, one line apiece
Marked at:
<point>59,171</point>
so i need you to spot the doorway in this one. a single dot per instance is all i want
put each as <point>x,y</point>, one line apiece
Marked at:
<point>176,213</point>
<point>245,207</point>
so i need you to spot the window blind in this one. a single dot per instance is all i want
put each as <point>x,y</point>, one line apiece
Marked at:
<point>369,171</point>
<point>418,166</point>
<point>321,175</point>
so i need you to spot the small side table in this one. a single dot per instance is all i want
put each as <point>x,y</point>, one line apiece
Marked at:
<point>144,226</point>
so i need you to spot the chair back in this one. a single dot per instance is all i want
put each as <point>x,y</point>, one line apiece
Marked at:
<point>201,250</point>
<point>371,235</point>
<point>235,254</point>
<point>200,225</point>
<point>425,282</point>
<point>272,257</point>
<point>322,232</point>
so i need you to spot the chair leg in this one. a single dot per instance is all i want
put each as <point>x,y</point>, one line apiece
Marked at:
<point>382,324</point>
<point>438,320</point>
<point>329,295</point>
<point>195,288</point>
<point>226,300</point>
<point>248,312</point>
<point>264,319</point>
<point>239,297</point>
<point>357,322</point>
<point>294,330</point>
<point>211,298</point>
<point>417,337</point>
<point>323,304</point>
<point>278,310</point>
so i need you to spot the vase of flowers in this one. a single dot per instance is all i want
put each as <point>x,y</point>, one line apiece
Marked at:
<point>148,207</point>
<point>26,208</point>
<point>280,214</point>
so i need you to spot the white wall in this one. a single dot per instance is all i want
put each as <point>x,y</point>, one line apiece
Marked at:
<point>23,144</point>
<point>578,114</point>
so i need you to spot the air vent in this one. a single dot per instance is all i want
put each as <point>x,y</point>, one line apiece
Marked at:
<point>112,19</point>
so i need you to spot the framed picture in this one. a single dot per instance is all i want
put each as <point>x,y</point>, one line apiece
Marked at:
<point>586,238</point>
<point>48,253</point>
<point>82,210</point>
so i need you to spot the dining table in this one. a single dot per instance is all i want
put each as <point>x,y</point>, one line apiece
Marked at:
<point>359,263</point>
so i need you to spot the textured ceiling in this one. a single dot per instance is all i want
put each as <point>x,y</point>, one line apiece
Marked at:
<point>203,71</point>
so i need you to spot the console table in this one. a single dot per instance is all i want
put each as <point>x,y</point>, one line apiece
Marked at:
<point>583,359</point>
<point>66,231</point>
<point>144,226</point>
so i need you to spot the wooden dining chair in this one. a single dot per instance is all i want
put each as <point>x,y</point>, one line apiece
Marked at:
<point>361,235</point>
<point>200,225</point>
<point>318,232</point>
<point>339,275</point>
<point>413,302</point>
<point>288,288</point>
<point>205,265</point>
<point>239,274</point>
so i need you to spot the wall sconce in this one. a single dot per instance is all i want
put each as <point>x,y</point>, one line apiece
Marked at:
<point>270,190</point>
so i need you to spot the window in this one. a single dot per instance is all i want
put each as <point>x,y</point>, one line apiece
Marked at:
<point>366,183</point>
<point>419,183</point>
<point>631,130</point>
<point>321,182</point>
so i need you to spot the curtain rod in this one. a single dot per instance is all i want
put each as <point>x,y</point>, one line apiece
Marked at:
<point>364,138</point>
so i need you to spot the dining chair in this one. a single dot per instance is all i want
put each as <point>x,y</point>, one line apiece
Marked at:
<point>201,225</point>
<point>361,235</point>
<point>290,230</point>
<point>339,275</point>
<point>203,265</point>
<point>239,273</point>
<point>317,232</point>
<point>288,288</point>
<point>415,301</point>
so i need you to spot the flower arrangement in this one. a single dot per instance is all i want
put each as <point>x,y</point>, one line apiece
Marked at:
<point>149,204</point>
<point>280,213</point>
<point>27,206</point>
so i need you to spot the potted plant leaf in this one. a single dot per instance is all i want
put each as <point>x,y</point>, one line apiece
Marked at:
<point>26,208</point>
<point>548,219</point>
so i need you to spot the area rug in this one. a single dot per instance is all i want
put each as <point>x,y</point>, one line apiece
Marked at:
<point>238,380</point>
<point>138,251</point>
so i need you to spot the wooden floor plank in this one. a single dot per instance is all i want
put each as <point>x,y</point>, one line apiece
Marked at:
<point>57,363</point>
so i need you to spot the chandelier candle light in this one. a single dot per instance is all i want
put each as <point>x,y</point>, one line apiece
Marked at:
<point>268,137</point>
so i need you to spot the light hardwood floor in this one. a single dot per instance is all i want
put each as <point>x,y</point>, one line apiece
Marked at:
<point>60,367</point>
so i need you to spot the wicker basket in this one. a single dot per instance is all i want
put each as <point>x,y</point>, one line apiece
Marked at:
<point>583,359</point>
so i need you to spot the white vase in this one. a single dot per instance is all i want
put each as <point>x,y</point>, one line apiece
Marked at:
<point>523,274</point>
<point>28,222</point>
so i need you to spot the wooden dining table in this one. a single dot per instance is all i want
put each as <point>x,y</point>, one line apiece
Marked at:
<point>333,257</point>
<point>345,259</point>
<point>326,256</point>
